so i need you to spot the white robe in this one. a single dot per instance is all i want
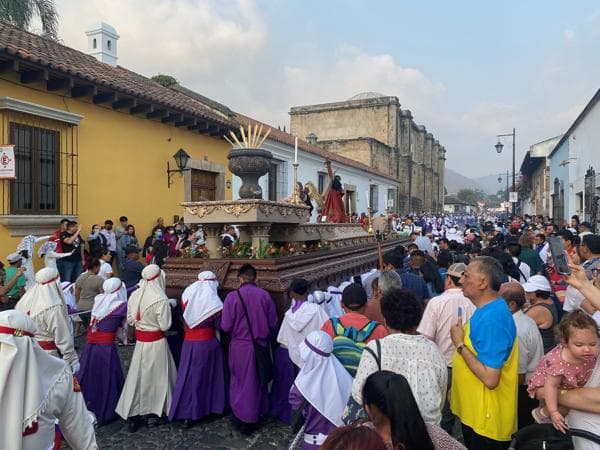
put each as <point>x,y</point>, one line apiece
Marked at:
<point>68,406</point>
<point>152,374</point>
<point>52,321</point>
<point>297,325</point>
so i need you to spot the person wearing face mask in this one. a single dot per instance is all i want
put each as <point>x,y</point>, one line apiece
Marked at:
<point>170,239</point>
<point>155,234</point>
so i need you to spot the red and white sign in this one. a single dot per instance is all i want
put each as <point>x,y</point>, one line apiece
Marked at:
<point>7,162</point>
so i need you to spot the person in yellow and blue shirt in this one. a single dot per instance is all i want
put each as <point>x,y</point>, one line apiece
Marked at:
<point>485,365</point>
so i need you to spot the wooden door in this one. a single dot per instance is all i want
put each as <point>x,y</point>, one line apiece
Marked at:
<point>204,185</point>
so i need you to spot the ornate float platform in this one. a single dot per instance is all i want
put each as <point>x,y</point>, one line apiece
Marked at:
<point>335,253</point>
<point>275,237</point>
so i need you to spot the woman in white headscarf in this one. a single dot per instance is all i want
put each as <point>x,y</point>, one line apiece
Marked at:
<point>101,375</point>
<point>200,388</point>
<point>321,389</point>
<point>36,390</point>
<point>152,374</point>
<point>45,303</point>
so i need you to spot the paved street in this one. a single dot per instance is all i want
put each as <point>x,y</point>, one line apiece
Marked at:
<point>212,434</point>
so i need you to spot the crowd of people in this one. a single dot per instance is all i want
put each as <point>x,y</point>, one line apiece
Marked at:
<point>465,334</point>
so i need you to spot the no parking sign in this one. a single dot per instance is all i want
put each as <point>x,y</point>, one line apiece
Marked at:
<point>7,161</point>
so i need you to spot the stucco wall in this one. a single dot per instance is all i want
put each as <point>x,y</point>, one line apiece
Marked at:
<point>584,148</point>
<point>122,161</point>
<point>560,171</point>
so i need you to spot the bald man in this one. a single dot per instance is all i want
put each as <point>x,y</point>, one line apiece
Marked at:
<point>531,347</point>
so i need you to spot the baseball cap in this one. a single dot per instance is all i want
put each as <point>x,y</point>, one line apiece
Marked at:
<point>537,283</point>
<point>586,225</point>
<point>456,270</point>
<point>14,257</point>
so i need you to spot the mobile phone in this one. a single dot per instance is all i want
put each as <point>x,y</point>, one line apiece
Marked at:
<point>559,255</point>
<point>460,312</point>
<point>357,280</point>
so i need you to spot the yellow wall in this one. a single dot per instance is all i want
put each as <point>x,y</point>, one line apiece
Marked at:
<point>122,162</point>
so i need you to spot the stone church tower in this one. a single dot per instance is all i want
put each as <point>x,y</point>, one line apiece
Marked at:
<point>372,128</point>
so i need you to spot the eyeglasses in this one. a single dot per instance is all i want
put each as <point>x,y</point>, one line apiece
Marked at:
<point>596,271</point>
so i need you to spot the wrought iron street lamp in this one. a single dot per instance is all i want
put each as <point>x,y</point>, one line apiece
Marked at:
<point>499,146</point>
<point>181,159</point>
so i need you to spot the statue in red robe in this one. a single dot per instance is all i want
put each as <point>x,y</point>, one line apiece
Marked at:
<point>334,210</point>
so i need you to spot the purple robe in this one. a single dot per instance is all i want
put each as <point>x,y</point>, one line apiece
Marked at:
<point>248,399</point>
<point>284,374</point>
<point>101,375</point>
<point>314,421</point>
<point>200,387</point>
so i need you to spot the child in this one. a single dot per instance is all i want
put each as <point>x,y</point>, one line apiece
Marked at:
<point>320,391</point>
<point>567,366</point>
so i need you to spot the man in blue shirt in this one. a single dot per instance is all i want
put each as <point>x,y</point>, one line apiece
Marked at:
<point>414,283</point>
<point>132,268</point>
<point>485,365</point>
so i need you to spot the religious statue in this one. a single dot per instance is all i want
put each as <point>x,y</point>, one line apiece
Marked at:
<point>333,210</point>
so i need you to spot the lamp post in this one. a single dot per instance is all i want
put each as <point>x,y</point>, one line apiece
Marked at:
<point>499,146</point>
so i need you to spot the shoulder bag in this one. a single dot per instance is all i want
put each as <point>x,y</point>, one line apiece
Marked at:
<point>262,355</point>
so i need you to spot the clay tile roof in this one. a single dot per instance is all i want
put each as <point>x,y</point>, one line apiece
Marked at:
<point>66,61</point>
<point>288,139</point>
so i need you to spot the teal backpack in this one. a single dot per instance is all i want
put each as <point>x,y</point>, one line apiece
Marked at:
<point>349,343</point>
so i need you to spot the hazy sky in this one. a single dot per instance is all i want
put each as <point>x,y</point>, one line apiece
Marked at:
<point>468,70</point>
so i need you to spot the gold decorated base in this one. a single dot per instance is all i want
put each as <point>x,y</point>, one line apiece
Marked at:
<point>244,212</point>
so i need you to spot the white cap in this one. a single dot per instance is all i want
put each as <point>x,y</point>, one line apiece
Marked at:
<point>537,283</point>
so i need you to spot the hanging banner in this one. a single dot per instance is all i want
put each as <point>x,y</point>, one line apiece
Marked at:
<point>7,161</point>
<point>513,197</point>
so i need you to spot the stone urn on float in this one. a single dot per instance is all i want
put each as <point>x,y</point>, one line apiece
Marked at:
<point>249,161</point>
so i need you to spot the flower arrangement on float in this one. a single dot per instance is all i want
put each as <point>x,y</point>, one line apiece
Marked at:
<point>241,250</point>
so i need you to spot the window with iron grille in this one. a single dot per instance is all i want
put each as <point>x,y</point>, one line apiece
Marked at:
<point>278,181</point>
<point>374,197</point>
<point>37,153</point>
<point>322,177</point>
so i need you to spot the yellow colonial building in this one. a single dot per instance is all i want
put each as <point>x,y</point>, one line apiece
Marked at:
<point>93,139</point>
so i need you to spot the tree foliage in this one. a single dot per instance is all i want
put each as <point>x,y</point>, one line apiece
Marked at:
<point>471,196</point>
<point>165,80</point>
<point>20,13</point>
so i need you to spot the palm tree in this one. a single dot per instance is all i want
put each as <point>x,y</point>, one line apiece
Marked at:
<point>21,12</point>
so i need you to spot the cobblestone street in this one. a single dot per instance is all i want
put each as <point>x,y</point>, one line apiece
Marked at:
<point>218,434</point>
<point>210,434</point>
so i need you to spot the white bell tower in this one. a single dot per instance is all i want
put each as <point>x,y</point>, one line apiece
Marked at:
<point>102,43</point>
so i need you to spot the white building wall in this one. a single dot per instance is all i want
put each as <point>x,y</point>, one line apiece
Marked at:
<point>309,167</point>
<point>584,151</point>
